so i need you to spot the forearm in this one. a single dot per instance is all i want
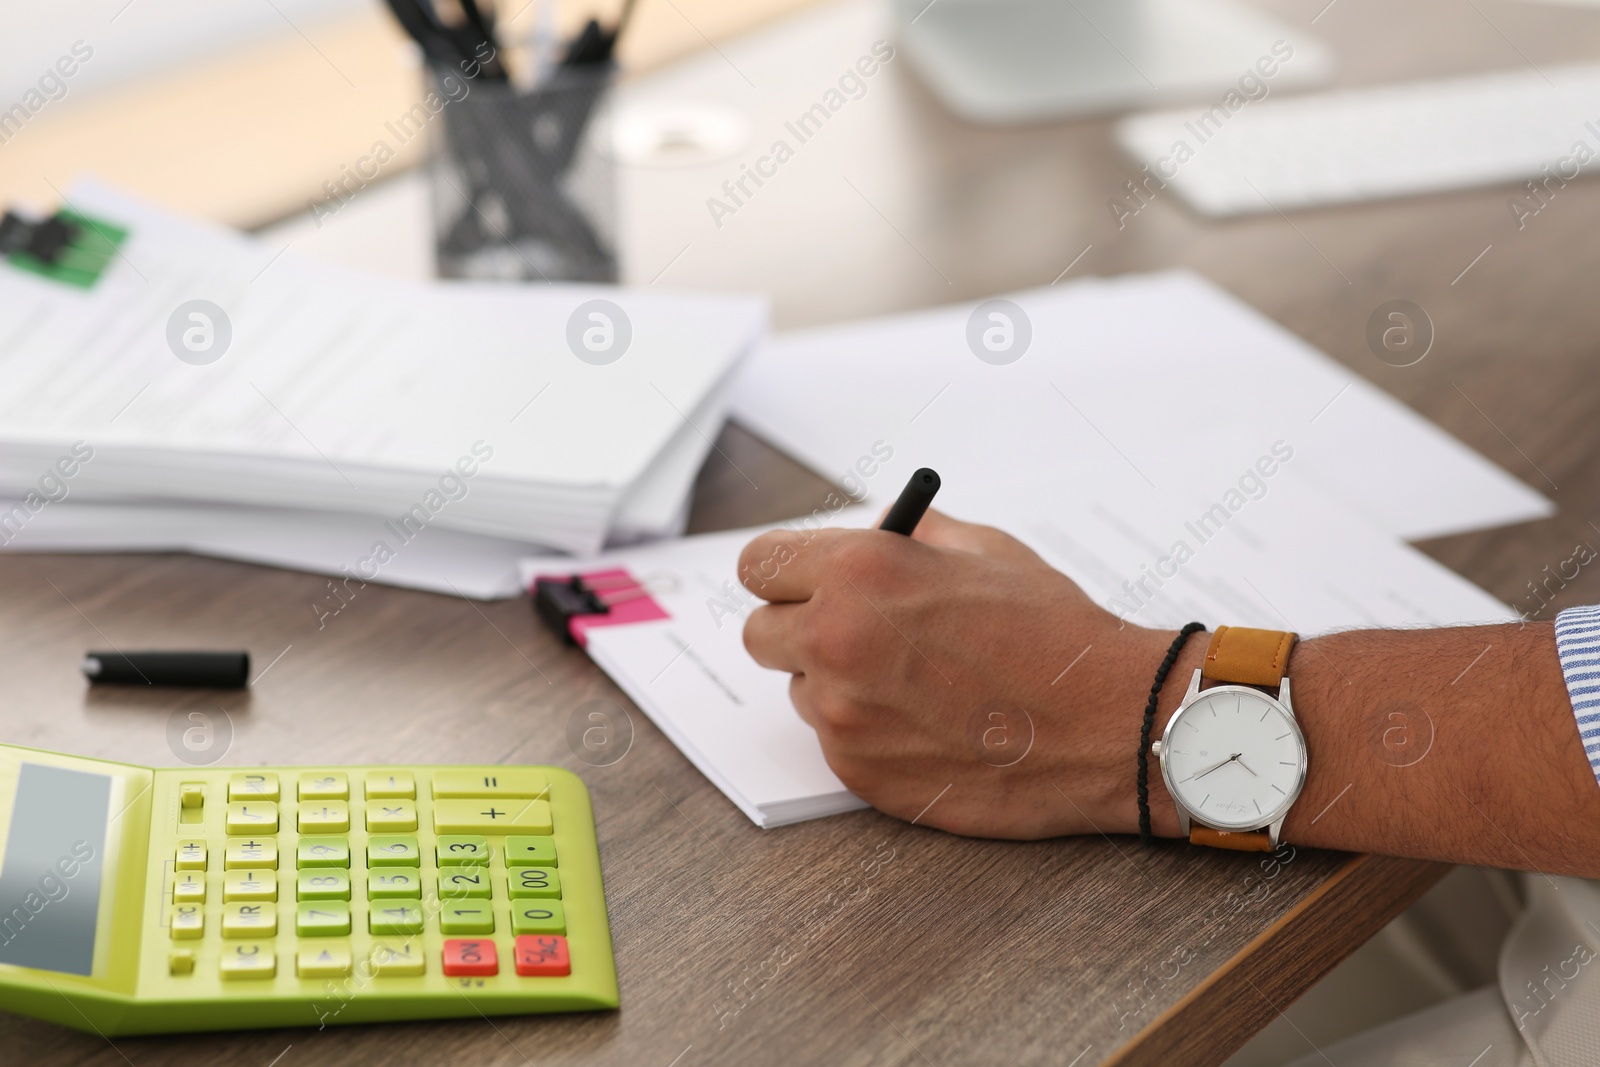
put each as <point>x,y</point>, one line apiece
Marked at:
<point>1452,744</point>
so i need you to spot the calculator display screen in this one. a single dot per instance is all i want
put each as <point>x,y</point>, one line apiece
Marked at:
<point>51,871</point>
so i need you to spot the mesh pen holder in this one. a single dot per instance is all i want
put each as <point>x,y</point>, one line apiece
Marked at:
<point>522,188</point>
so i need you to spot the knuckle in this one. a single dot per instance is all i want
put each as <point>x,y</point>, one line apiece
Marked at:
<point>834,643</point>
<point>864,562</point>
<point>830,710</point>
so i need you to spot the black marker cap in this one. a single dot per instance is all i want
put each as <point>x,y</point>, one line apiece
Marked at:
<point>201,670</point>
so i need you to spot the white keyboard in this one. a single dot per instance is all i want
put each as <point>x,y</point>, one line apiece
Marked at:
<point>1368,144</point>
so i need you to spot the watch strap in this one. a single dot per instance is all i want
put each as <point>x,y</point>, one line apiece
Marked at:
<point>1238,655</point>
<point>1239,841</point>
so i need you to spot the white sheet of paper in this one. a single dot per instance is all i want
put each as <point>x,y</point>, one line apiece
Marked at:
<point>1144,365</point>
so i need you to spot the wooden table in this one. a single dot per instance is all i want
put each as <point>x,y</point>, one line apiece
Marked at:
<point>860,939</point>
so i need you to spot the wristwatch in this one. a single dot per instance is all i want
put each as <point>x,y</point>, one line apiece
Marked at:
<point>1232,755</point>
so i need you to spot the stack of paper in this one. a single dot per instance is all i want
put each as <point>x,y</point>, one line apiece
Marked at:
<point>362,413</point>
<point>1176,454</point>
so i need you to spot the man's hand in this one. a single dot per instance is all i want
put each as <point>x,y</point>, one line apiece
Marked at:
<point>958,665</point>
<point>956,680</point>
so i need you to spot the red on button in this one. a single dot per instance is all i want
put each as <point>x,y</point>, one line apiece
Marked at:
<point>542,956</point>
<point>470,959</point>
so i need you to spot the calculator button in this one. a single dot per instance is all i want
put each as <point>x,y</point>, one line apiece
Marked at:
<point>191,856</point>
<point>457,882</point>
<point>249,920</point>
<point>255,960</point>
<point>542,956</point>
<point>392,883</point>
<point>512,816</point>
<point>189,887</point>
<point>249,885</point>
<point>323,918</point>
<point>402,960</point>
<point>327,817</point>
<point>253,787</point>
<point>538,917</point>
<point>466,917</point>
<point>180,962</point>
<point>476,959</point>
<point>324,785</point>
<point>322,883</point>
<point>533,882</point>
<point>401,851</point>
<point>191,795</point>
<point>322,961</point>
<point>397,918</point>
<point>497,784</point>
<point>391,816</point>
<point>456,849</point>
<point>323,852</point>
<point>188,922</point>
<point>252,853</point>
<point>253,817</point>
<point>391,785</point>
<point>530,851</point>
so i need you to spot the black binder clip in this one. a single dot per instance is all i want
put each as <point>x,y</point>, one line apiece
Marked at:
<point>558,601</point>
<point>44,239</point>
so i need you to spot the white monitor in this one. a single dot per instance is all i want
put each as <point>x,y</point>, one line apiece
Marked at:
<point>1015,61</point>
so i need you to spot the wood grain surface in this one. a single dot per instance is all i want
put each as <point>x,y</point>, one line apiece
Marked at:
<point>860,939</point>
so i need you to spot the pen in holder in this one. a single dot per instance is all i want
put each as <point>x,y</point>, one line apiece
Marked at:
<point>522,186</point>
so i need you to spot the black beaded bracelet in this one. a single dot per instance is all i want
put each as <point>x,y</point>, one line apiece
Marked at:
<point>1149,724</point>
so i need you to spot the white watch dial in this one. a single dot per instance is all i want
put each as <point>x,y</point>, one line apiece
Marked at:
<point>1235,758</point>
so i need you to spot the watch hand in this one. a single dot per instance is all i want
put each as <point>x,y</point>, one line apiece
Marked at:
<point>1214,766</point>
<point>1246,766</point>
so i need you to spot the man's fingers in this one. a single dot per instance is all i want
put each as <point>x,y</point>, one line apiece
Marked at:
<point>771,636</point>
<point>800,688</point>
<point>941,531</point>
<point>787,565</point>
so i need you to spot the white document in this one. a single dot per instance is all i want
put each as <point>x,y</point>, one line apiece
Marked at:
<point>347,393</point>
<point>1135,369</point>
<point>1287,559</point>
<point>340,544</point>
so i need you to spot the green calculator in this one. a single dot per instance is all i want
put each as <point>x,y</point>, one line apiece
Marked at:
<point>135,900</point>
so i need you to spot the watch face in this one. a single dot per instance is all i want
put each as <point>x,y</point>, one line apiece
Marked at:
<point>1235,758</point>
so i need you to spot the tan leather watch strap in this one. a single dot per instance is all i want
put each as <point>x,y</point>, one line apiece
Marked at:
<point>1245,841</point>
<point>1239,655</point>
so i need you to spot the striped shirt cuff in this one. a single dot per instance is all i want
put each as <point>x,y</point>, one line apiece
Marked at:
<point>1578,645</point>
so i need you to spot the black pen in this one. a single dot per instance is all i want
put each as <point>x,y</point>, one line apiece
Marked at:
<point>912,503</point>
<point>205,670</point>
